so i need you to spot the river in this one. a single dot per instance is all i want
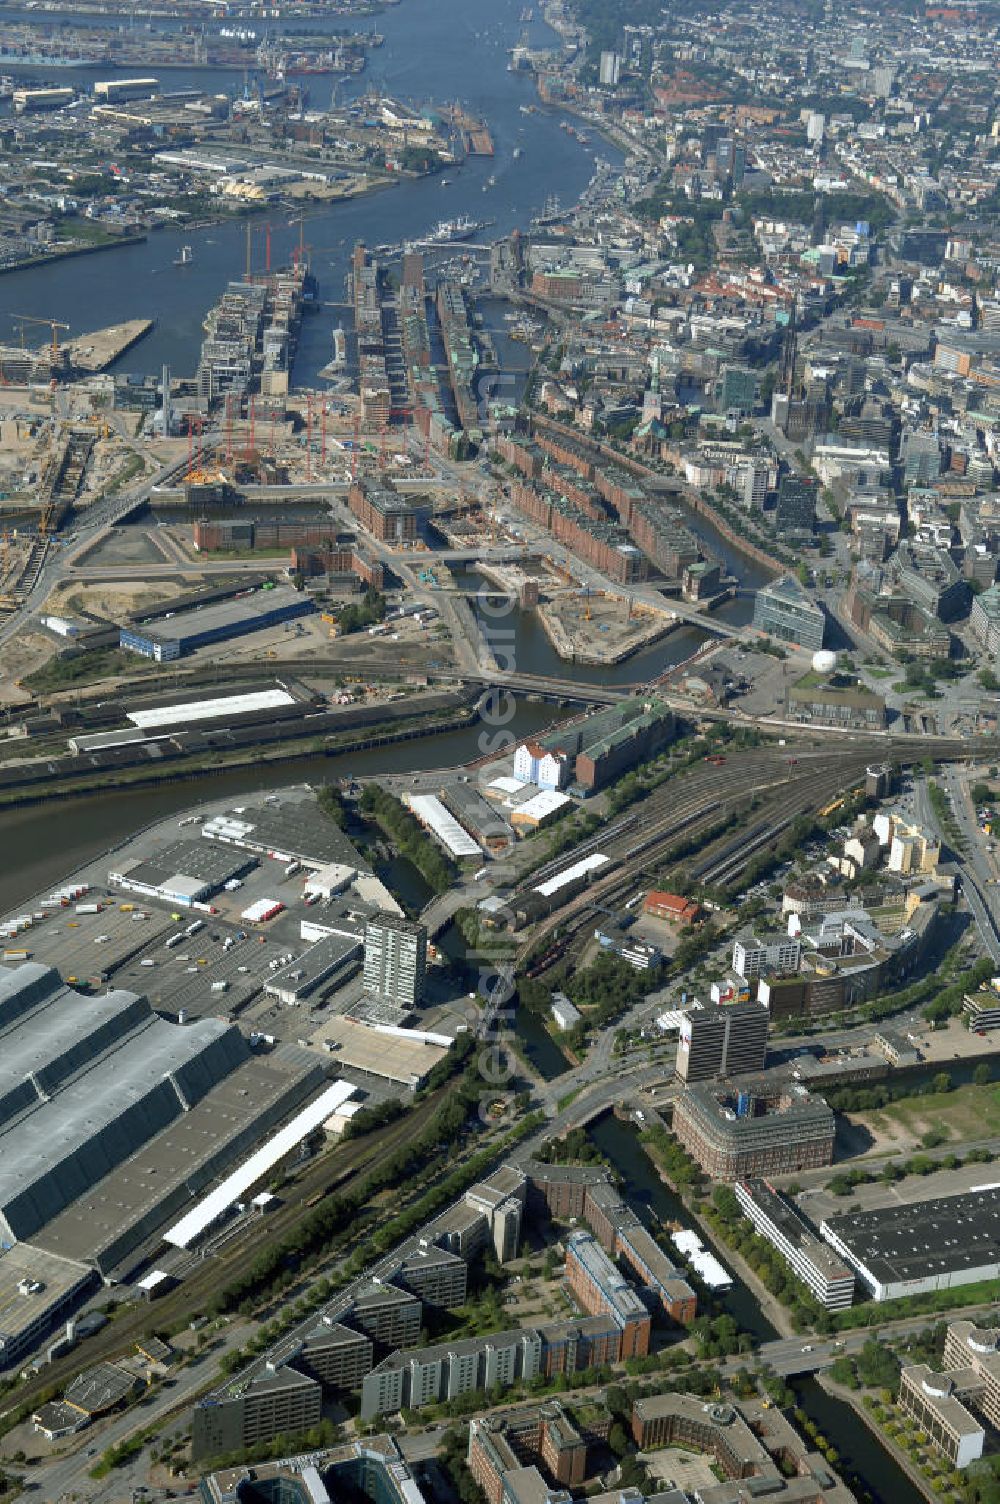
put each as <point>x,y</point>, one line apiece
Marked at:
<point>435,51</point>
<point>45,842</point>
<point>862,1457</point>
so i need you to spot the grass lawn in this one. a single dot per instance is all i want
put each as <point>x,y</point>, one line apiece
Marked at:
<point>88,231</point>
<point>969,1112</point>
<point>132,467</point>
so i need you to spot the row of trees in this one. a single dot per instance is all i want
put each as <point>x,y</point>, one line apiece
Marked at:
<point>681,1169</point>
<point>726,1217</point>
<point>378,1240</point>
<point>897,1088</point>
<point>843,1183</point>
<point>332,804</point>
<point>409,837</point>
<point>336,1215</point>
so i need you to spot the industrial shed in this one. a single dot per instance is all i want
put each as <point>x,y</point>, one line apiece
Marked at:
<point>61,1131</point>
<point>110,1117</point>
<point>169,639</point>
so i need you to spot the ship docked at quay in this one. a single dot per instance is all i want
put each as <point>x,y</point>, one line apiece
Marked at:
<point>449,232</point>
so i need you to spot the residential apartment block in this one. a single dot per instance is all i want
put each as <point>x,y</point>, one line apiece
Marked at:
<point>601,1288</point>
<point>814,1262</point>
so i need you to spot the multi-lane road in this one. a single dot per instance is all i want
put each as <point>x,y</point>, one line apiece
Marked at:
<point>62,557</point>
<point>976,865</point>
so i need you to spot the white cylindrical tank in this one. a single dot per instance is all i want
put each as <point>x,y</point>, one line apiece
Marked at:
<point>824,661</point>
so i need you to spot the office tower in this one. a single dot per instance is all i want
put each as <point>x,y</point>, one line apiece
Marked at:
<point>395,959</point>
<point>723,1040</point>
<point>795,513</point>
<point>784,610</point>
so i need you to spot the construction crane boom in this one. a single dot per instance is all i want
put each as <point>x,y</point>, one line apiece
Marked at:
<point>53,324</point>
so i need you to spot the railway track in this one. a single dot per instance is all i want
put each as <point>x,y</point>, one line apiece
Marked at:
<point>203,1282</point>
<point>724,866</point>
<point>660,810</point>
<point>714,794</point>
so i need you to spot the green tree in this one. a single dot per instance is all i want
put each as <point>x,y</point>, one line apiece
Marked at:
<point>617,1439</point>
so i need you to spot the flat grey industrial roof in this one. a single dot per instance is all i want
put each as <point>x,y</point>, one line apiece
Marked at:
<point>122,1091</point>
<point>68,941</point>
<point>396,1057</point>
<point>223,614</point>
<point>788,1221</point>
<point>58,1277</point>
<point>898,1243</point>
<point>54,1043</point>
<point>315,965</point>
<point>125,1208</point>
<point>300,828</point>
<point>206,860</point>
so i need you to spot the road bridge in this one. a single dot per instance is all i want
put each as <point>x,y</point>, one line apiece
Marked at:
<point>677,610</point>
<point>99,519</point>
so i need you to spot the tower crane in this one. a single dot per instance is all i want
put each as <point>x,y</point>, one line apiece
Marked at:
<point>53,324</point>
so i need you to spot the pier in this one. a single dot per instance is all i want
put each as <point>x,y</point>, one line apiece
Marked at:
<point>95,352</point>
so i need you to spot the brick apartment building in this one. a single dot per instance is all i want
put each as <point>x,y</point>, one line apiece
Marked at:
<point>601,1288</point>
<point>388,516</point>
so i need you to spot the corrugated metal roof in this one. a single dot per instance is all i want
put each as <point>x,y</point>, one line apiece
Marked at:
<point>431,812</point>
<point>205,710</point>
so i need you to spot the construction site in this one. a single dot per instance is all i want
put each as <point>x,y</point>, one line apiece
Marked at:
<point>66,360</point>
<point>584,625</point>
<point>593,626</point>
<point>228,435</point>
<point>360,498</point>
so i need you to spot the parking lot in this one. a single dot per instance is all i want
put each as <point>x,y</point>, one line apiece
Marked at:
<point>179,936</point>
<point>89,949</point>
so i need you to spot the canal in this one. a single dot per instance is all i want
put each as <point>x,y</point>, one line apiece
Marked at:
<point>874,1473</point>
<point>532,652</point>
<point>538,1046</point>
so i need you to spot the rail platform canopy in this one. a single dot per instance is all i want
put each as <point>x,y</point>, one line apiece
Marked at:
<point>213,1206</point>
